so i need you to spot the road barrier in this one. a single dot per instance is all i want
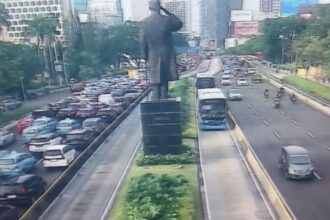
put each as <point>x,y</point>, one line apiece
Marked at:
<point>43,202</point>
<point>279,204</point>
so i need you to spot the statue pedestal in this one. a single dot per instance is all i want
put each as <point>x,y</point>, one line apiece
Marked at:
<point>161,126</point>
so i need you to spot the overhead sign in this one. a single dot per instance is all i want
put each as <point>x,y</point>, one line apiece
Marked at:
<point>247,28</point>
<point>230,42</point>
<point>240,15</point>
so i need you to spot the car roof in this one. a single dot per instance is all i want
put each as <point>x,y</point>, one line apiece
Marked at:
<point>91,119</point>
<point>78,131</point>
<point>45,135</point>
<point>295,150</point>
<point>43,118</point>
<point>12,155</point>
<point>67,120</point>
<point>11,179</point>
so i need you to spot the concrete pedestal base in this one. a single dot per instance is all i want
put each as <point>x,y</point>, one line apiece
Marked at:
<point>161,126</point>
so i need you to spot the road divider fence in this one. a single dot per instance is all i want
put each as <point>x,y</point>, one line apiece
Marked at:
<point>45,200</point>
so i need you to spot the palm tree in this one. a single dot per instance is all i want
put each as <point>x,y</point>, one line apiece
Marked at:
<point>43,27</point>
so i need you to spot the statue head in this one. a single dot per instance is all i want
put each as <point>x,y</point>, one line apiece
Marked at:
<point>154,5</point>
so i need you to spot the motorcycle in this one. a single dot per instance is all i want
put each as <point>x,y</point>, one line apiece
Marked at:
<point>276,103</point>
<point>293,98</point>
<point>266,94</point>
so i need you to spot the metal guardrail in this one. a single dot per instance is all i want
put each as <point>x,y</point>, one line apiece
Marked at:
<point>43,202</point>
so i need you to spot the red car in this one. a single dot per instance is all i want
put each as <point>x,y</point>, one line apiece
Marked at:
<point>24,123</point>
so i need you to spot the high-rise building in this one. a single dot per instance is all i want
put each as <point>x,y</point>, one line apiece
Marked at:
<point>182,9</point>
<point>20,11</point>
<point>80,6</point>
<point>106,12</point>
<point>134,10</point>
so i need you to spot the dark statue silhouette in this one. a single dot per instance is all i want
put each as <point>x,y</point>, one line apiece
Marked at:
<point>158,50</point>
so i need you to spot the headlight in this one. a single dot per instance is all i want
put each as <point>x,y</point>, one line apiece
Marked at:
<point>292,171</point>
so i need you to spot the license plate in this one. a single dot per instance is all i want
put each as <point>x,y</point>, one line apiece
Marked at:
<point>11,196</point>
<point>53,160</point>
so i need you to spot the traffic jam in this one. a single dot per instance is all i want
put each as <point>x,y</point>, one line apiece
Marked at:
<point>55,135</point>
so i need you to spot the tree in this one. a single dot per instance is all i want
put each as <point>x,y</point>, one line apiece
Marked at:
<point>43,28</point>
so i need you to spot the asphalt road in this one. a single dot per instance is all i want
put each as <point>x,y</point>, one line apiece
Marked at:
<point>229,189</point>
<point>268,129</point>
<point>88,193</point>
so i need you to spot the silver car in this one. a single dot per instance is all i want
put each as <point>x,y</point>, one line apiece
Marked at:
<point>295,162</point>
<point>234,94</point>
<point>6,138</point>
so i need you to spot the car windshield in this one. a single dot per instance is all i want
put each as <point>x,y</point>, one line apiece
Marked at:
<point>64,124</point>
<point>234,91</point>
<point>89,123</point>
<point>299,160</point>
<point>29,131</point>
<point>71,137</point>
<point>39,140</point>
<point>7,161</point>
<point>39,122</point>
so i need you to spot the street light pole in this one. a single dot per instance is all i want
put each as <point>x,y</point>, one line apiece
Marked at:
<point>23,91</point>
<point>282,52</point>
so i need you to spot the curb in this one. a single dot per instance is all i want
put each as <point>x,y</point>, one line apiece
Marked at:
<point>274,196</point>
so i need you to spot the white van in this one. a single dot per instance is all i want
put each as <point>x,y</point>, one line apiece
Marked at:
<point>58,156</point>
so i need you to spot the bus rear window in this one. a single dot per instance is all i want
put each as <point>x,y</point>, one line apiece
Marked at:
<point>204,83</point>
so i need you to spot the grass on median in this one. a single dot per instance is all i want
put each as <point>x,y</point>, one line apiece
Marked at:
<point>309,86</point>
<point>190,202</point>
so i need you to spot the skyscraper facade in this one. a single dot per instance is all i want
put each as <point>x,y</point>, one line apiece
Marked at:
<point>21,11</point>
<point>106,12</point>
<point>182,9</point>
<point>80,6</point>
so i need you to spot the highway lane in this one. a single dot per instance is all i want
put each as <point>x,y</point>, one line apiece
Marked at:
<point>268,129</point>
<point>87,194</point>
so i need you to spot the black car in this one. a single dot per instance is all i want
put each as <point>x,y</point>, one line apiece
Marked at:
<point>43,113</point>
<point>9,212</point>
<point>79,139</point>
<point>21,189</point>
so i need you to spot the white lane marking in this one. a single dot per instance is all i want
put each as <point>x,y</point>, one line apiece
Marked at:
<point>265,122</point>
<point>257,113</point>
<point>294,122</point>
<point>249,106</point>
<point>253,177</point>
<point>327,147</point>
<point>310,134</point>
<point>39,161</point>
<point>317,175</point>
<point>283,113</point>
<point>119,184</point>
<point>276,134</point>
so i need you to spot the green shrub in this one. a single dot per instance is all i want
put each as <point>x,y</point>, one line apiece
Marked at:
<point>155,197</point>
<point>159,159</point>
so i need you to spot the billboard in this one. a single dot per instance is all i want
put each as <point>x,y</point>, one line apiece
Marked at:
<point>230,42</point>
<point>290,7</point>
<point>244,28</point>
<point>240,15</point>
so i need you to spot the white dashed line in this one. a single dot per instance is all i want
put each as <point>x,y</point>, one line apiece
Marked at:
<point>294,122</point>
<point>249,106</point>
<point>317,175</point>
<point>310,134</point>
<point>327,147</point>
<point>283,113</point>
<point>276,134</point>
<point>265,122</point>
<point>257,113</point>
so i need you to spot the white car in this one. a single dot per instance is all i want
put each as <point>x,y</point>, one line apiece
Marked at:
<point>242,81</point>
<point>234,94</point>
<point>40,142</point>
<point>225,81</point>
<point>6,138</point>
<point>59,156</point>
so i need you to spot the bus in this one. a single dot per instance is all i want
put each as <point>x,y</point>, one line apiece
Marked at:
<point>212,109</point>
<point>204,81</point>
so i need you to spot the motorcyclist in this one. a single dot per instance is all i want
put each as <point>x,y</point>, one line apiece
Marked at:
<point>276,101</point>
<point>281,90</point>
<point>266,93</point>
<point>292,97</point>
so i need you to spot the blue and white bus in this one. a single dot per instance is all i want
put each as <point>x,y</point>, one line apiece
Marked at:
<point>204,81</point>
<point>212,109</point>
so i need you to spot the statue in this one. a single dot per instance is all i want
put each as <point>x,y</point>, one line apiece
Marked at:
<point>158,50</point>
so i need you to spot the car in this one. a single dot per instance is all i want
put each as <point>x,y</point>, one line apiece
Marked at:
<point>225,80</point>
<point>6,138</point>
<point>85,113</point>
<point>43,113</point>
<point>108,113</point>
<point>40,142</point>
<point>94,124</point>
<point>21,189</point>
<point>24,123</point>
<point>66,113</point>
<point>241,81</point>
<point>55,106</point>
<point>295,162</point>
<point>234,94</point>
<point>49,124</point>
<point>9,212</point>
<point>16,163</point>
<point>79,139</point>
<point>29,132</point>
<point>59,156</point>
<point>65,126</point>
<point>11,104</point>
<point>251,71</point>
<point>257,79</point>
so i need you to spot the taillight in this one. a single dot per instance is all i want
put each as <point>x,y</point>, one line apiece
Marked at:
<point>23,190</point>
